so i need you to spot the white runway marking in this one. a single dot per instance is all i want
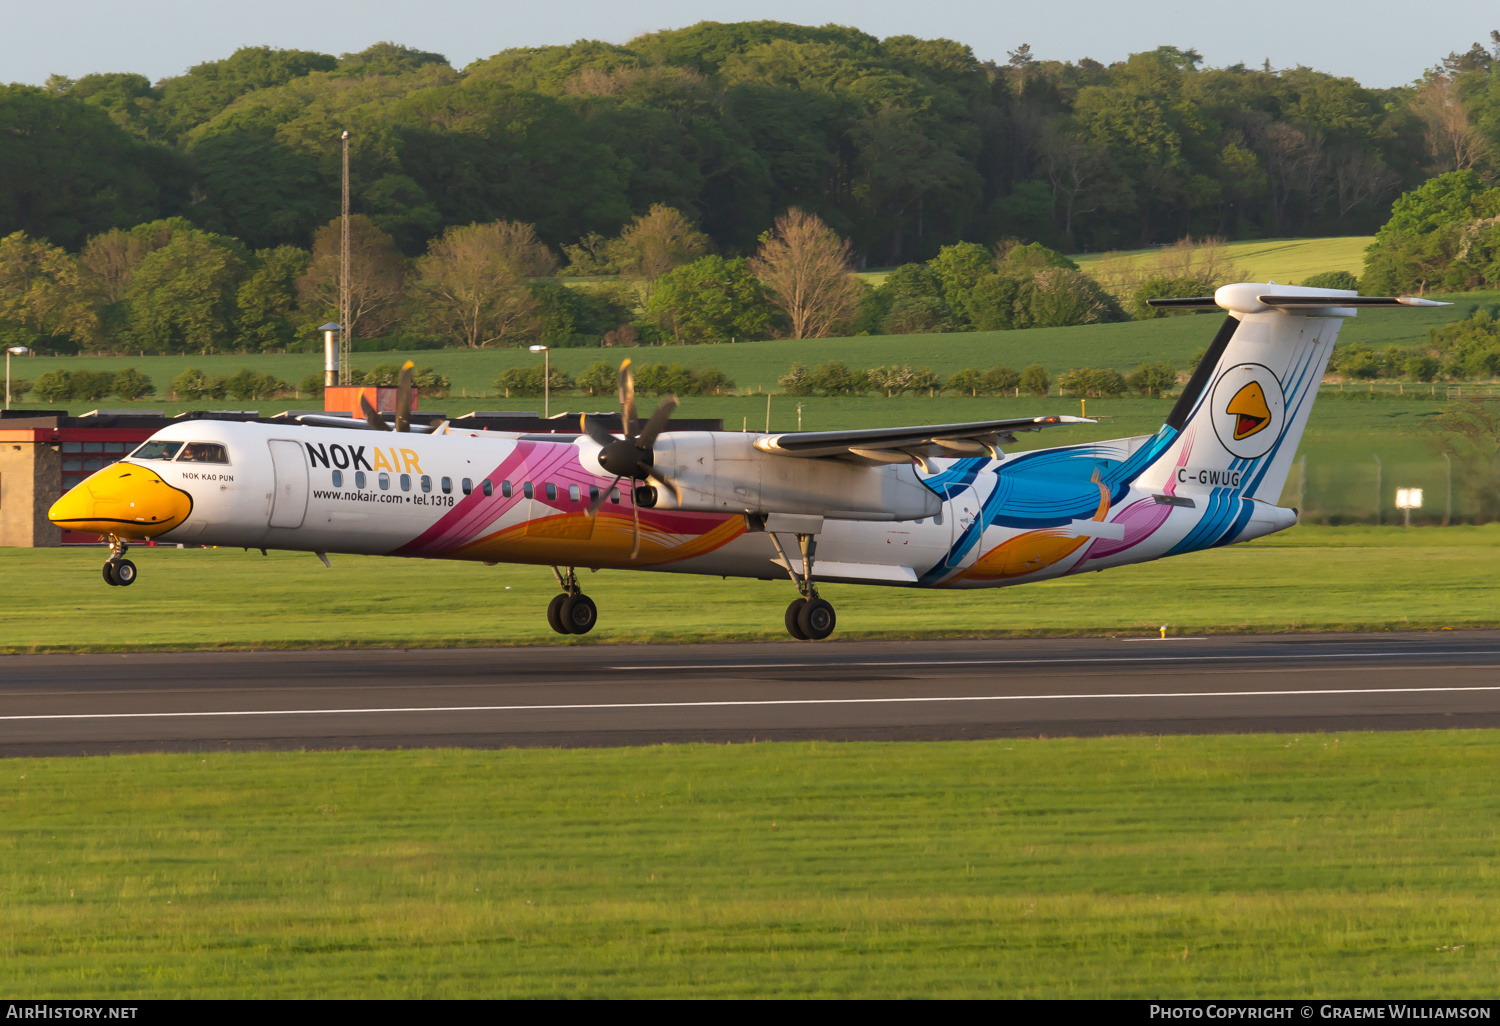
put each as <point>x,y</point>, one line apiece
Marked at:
<point>739,704</point>
<point>1061,661</point>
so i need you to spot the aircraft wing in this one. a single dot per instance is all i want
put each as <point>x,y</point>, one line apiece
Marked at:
<point>875,446</point>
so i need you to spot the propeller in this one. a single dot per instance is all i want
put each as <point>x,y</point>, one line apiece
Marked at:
<point>403,397</point>
<point>403,404</point>
<point>631,456</point>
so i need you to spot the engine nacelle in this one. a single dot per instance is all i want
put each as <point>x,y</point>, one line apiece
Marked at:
<point>722,472</point>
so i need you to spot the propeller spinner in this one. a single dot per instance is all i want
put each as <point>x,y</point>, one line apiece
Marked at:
<point>633,455</point>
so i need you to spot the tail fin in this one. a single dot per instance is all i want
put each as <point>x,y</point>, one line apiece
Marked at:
<point>1234,431</point>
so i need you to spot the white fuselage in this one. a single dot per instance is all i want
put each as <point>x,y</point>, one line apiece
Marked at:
<point>343,490</point>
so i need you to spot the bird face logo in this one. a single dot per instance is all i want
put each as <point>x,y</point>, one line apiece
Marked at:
<point>1249,410</point>
<point>1251,414</point>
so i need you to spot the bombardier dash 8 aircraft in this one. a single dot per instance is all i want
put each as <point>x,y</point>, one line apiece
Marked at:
<point>919,507</point>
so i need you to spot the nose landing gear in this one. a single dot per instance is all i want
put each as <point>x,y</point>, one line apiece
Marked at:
<point>572,612</point>
<point>808,618</point>
<point>118,571</point>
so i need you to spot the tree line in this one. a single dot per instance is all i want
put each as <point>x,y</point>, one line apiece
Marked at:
<point>837,378</point>
<point>169,287</point>
<point>902,145</point>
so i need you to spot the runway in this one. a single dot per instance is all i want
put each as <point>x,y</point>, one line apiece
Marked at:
<point>633,695</point>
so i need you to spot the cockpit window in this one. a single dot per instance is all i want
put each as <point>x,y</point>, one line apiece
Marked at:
<point>156,451</point>
<point>203,452</point>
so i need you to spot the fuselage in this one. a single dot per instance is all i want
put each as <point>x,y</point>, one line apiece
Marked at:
<point>498,497</point>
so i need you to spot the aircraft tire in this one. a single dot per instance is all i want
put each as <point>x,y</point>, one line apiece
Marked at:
<point>125,573</point>
<point>579,614</point>
<point>554,614</point>
<point>816,619</point>
<point>109,575</point>
<point>793,619</point>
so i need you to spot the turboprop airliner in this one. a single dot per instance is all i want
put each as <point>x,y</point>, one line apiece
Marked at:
<point>919,507</point>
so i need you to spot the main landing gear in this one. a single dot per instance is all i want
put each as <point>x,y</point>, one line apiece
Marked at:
<point>118,571</point>
<point>808,618</point>
<point>572,612</point>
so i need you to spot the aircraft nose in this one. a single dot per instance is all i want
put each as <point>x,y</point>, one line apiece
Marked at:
<point>123,499</point>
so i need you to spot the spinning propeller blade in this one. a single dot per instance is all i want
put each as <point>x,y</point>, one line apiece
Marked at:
<point>657,422</point>
<point>627,399</point>
<point>595,430</point>
<point>631,456</point>
<point>403,397</point>
<point>375,420</point>
<point>603,496</point>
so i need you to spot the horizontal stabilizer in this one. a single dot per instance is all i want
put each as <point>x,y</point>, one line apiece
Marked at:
<point>1319,302</point>
<point>1296,302</point>
<point>1189,303</point>
<point>875,446</point>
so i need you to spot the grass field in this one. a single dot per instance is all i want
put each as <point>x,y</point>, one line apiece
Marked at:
<point>1310,578</point>
<point>1253,866</point>
<point>758,365</point>
<point>1287,261</point>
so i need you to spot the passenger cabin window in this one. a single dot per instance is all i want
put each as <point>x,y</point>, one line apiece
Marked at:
<point>614,496</point>
<point>593,493</point>
<point>487,488</point>
<point>406,482</point>
<point>447,485</point>
<point>338,479</point>
<point>426,483</point>
<point>551,492</point>
<point>573,493</point>
<point>203,452</point>
<point>156,451</point>
<point>526,490</point>
<point>359,479</point>
<point>505,488</point>
<point>468,486</point>
<point>385,481</point>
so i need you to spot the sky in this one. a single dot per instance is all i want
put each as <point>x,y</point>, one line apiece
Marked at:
<point>1377,42</point>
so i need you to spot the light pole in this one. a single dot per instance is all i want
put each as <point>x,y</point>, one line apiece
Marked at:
<point>546,379</point>
<point>346,337</point>
<point>12,351</point>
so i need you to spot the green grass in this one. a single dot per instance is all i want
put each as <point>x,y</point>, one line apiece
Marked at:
<point>1287,261</point>
<point>758,365</point>
<point>1254,866</point>
<point>1310,578</point>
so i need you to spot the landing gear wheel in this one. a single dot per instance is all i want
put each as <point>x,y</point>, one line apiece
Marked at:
<point>816,619</point>
<point>579,614</point>
<point>793,614</point>
<point>109,575</point>
<point>124,572</point>
<point>554,614</point>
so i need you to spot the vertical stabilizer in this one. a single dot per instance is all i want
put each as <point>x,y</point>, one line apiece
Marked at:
<point>1240,417</point>
<point>1234,431</point>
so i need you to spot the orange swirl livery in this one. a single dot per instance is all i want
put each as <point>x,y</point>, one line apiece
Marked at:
<point>930,506</point>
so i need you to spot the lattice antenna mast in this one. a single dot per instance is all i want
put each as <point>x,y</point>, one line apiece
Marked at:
<point>346,337</point>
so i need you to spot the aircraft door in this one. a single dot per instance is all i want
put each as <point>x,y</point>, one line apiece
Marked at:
<point>289,502</point>
<point>963,511</point>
